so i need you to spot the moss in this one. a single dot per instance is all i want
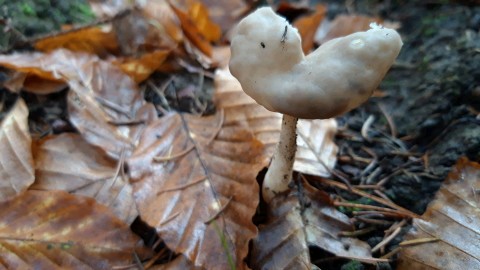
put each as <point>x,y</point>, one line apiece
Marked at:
<point>35,17</point>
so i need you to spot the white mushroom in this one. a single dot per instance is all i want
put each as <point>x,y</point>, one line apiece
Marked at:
<point>340,75</point>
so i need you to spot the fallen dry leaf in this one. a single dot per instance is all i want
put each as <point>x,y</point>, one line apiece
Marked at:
<point>307,27</point>
<point>154,27</point>
<point>194,180</point>
<point>344,25</point>
<point>316,148</point>
<point>67,162</point>
<point>16,162</point>
<point>192,32</point>
<point>93,40</point>
<point>224,13</point>
<point>140,69</point>
<point>452,221</point>
<point>104,103</point>
<point>297,221</point>
<point>57,230</point>
<point>199,14</point>
<point>281,242</point>
<point>179,263</point>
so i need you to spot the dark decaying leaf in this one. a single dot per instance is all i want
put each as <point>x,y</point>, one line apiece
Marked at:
<point>317,152</point>
<point>16,162</point>
<point>300,219</point>
<point>67,162</point>
<point>57,230</point>
<point>450,226</point>
<point>194,180</point>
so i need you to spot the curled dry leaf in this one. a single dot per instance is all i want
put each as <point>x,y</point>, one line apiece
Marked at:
<point>192,32</point>
<point>179,263</point>
<point>307,27</point>
<point>93,40</point>
<point>57,230</point>
<point>199,14</point>
<point>16,162</point>
<point>303,218</point>
<point>316,148</point>
<point>139,69</point>
<point>104,103</point>
<point>194,180</point>
<point>147,28</point>
<point>344,25</point>
<point>281,242</point>
<point>450,228</point>
<point>30,74</point>
<point>67,162</point>
<point>225,14</point>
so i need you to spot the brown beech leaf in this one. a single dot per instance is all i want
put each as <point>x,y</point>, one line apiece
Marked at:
<point>316,148</point>
<point>199,14</point>
<point>227,13</point>
<point>297,221</point>
<point>67,162</point>
<point>57,230</point>
<point>139,69</point>
<point>93,40</point>
<point>29,75</point>
<point>307,27</point>
<point>16,162</point>
<point>32,65</point>
<point>179,263</point>
<point>194,180</point>
<point>281,242</point>
<point>447,236</point>
<point>148,28</point>
<point>104,103</point>
<point>192,32</point>
<point>344,25</point>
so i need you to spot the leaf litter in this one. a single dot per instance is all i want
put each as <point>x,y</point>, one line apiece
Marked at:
<point>450,228</point>
<point>193,178</point>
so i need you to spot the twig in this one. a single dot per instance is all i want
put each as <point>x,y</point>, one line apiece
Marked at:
<point>357,232</point>
<point>408,213</point>
<point>219,211</point>
<point>418,241</point>
<point>386,240</point>
<point>366,126</point>
<point>391,123</point>
<point>171,157</point>
<point>203,178</point>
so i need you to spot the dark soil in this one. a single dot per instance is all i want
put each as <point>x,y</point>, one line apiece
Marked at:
<point>426,120</point>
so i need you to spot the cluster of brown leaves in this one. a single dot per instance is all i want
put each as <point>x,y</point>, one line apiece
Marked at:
<point>67,199</point>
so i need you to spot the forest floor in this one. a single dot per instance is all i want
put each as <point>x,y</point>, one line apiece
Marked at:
<point>409,136</point>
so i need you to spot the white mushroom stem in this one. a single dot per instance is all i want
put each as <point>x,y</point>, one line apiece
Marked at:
<point>279,173</point>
